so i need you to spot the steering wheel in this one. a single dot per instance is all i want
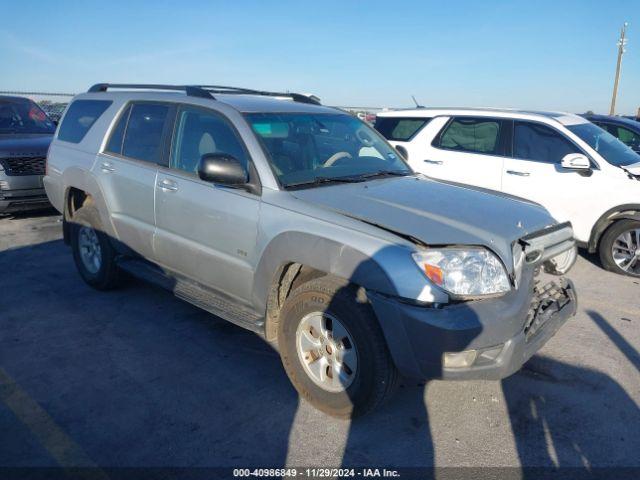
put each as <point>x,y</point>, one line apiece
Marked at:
<point>335,157</point>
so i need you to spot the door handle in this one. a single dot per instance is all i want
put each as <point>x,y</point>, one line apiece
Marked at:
<point>168,185</point>
<point>434,162</point>
<point>107,167</point>
<point>520,174</point>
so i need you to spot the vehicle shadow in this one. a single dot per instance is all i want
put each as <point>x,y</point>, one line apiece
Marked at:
<point>398,434</point>
<point>130,377</point>
<point>35,213</point>
<point>571,422</point>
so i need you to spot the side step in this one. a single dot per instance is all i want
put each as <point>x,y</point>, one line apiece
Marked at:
<point>196,294</point>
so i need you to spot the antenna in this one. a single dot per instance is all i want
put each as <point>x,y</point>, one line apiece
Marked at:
<point>416,102</point>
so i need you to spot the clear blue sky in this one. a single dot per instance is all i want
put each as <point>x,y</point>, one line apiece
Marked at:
<point>530,54</point>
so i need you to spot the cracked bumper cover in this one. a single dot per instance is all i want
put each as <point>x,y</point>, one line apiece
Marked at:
<point>519,324</point>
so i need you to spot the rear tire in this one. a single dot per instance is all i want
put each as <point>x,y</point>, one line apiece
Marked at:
<point>93,254</point>
<point>353,341</point>
<point>619,246</point>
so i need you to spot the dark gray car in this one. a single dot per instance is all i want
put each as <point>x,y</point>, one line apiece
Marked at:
<point>25,135</point>
<point>301,223</point>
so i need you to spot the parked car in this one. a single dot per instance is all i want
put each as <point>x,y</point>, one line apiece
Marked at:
<point>575,169</point>
<point>299,222</point>
<point>624,129</point>
<point>25,135</point>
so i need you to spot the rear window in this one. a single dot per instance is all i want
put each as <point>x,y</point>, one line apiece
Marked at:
<point>399,129</point>
<point>23,116</point>
<point>80,116</point>
<point>143,138</point>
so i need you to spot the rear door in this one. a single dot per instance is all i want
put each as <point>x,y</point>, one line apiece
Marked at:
<point>468,150</point>
<point>127,170</point>
<point>206,232</point>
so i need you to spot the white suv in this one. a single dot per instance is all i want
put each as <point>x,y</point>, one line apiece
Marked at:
<point>578,171</point>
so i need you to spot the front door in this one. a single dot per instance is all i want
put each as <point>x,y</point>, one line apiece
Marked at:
<point>535,173</point>
<point>206,232</point>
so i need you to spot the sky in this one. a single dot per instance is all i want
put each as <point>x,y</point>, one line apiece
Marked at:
<point>536,54</point>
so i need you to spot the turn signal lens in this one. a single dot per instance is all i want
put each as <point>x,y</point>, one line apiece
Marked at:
<point>434,274</point>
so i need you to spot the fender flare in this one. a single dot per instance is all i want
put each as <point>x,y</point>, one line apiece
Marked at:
<point>322,254</point>
<point>630,211</point>
<point>83,180</point>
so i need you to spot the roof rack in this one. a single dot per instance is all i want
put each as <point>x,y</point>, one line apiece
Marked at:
<point>296,97</point>
<point>188,89</point>
<point>205,91</point>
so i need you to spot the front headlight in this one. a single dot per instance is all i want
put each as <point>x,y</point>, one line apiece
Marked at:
<point>468,272</point>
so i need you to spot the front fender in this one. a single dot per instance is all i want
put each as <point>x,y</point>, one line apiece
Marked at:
<point>623,212</point>
<point>322,254</point>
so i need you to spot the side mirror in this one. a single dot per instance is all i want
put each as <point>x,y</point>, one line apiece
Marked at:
<point>222,168</point>
<point>576,161</point>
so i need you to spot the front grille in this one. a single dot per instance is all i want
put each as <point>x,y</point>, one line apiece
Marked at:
<point>24,165</point>
<point>548,299</point>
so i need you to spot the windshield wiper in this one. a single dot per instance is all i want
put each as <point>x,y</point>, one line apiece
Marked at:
<point>386,173</point>
<point>325,180</point>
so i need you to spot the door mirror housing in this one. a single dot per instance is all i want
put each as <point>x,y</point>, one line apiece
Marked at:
<point>576,161</point>
<point>222,168</point>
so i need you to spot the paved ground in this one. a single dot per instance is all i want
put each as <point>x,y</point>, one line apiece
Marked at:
<point>136,377</point>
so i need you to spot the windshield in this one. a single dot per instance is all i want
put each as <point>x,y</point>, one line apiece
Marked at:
<point>612,150</point>
<point>308,149</point>
<point>23,116</point>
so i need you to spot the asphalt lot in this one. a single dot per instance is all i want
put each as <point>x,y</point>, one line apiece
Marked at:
<point>136,377</point>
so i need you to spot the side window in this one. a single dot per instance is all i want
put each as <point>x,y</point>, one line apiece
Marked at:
<point>628,137</point>
<point>199,132</point>
<point>400,129</point>
<point>80,116</point>
<point>117,134</point>
<point>474,135</point>
<point>143,137</point>
<point>533,141</point>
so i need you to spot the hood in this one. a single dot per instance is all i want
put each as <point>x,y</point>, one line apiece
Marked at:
<point>24,145</point>
<point>633,169</point>
<point>434,212</point>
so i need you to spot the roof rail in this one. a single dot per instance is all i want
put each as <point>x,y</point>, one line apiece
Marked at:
<point>296,97</point>
<point>191,91</point>
<point>205,91</point>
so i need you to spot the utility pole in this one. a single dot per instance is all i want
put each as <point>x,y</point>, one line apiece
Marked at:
<point>622,42</point>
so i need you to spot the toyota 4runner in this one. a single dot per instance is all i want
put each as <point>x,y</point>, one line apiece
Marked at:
<point>301,223</point>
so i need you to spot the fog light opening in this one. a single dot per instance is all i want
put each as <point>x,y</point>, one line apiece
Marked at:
<point>459,359</point>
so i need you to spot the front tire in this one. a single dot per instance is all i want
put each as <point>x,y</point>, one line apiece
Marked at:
<point>620,248</point>
<point>93,254</point>
<point>333,349</point>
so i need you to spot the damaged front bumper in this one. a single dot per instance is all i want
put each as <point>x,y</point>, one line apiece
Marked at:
<point>484,339</point>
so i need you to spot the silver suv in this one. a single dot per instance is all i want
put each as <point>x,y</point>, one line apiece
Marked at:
<point>301,223</point>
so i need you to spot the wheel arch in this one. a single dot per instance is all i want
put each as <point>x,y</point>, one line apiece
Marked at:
<point>293,258</point>
<point>629,211</point>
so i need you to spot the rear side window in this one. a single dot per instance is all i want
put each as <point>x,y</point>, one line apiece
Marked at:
<point>143,138</point>
<point>80,116</point>
<point>399,129</point>
<point>532,141</point>
<point>474,135</point>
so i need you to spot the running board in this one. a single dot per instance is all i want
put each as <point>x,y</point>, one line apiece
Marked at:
<point>196,294</point>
